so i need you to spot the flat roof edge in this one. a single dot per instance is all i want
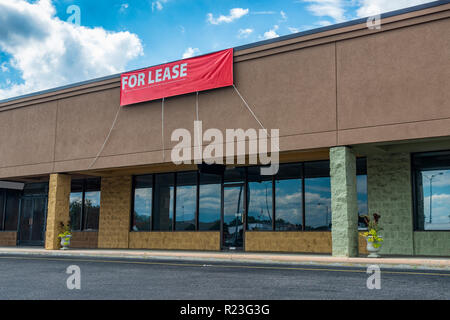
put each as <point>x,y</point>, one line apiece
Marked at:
<point>249,46</point>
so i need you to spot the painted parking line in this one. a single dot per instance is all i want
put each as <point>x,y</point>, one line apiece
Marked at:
<point>224,266</point>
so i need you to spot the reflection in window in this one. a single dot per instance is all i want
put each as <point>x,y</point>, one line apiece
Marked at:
<point>164,201</point>
<point>259,199</point>
<point>143,188</point>
<point>432,181</point>
<point>12,210</point>
<point>210,201</point>
<point>2,205</point>
<point>75,210</point>
<point>288,198</point>
<point>317,196</point>
<point>84,207</point>
<point>361,189</point>
<point>186,201</point>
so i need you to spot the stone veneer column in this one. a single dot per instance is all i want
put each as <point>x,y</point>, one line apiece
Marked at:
<point>58,208</point>
<point>344,205</point>
<point>115,206</point>
<point>390,195</point>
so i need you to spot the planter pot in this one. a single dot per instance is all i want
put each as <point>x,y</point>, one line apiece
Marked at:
<point>373,252</point>
<point>65,242</point>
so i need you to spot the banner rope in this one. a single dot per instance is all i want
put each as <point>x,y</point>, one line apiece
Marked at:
<point>107,138</point>
<point>251,111</point>
<point>162,130</point>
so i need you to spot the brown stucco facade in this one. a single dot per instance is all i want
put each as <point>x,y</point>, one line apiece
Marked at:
<point>375,91</point>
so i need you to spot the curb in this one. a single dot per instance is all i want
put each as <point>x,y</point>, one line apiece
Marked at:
<point>387,263</point>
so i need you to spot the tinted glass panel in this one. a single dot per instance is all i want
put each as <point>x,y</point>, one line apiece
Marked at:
<point>259,198</point>
<point>234,175</point>
<point>432,182</point>
<point>75,207</point>
<point>36,189</point>
<point>92,209</point>
<point>317,196</point>
<point>288,198</point>
<point>210,202</point>
<point>143,194</point>
<point>12,210</point>
<point>2,204</point>
<point>164,199</point>
<point>186,201</point>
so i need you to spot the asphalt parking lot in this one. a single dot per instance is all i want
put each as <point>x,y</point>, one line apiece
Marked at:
<point>41,277</point>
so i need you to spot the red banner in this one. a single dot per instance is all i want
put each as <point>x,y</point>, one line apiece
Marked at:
<point>214,70</point>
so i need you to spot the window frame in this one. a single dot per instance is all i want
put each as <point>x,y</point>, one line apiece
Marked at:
<point>83,214</point>
<point>222,184</point>
<point>414,170</point>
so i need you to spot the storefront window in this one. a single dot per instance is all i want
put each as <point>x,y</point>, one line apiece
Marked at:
<point>186,201</point>
<point>143,194</point>
<point>259,199</point>
<point>84,208</point>
<point>11,214</point>
<point>210,195</point>
<point>361,188</point>
<point>432,191</point>
<point>288,198</point>
<point>317,196</point>
<point>2,207</point>
<point>164,201</point>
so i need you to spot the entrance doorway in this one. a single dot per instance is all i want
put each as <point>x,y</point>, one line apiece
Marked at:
<point>233,216</point>
<point>32,220</point>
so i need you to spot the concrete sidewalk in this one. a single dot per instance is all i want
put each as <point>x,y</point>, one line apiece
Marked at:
<point>423,263</point>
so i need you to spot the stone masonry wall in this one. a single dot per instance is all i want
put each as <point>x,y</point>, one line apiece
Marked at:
<point>344,202</point>
<point>58,208</point>
<point>390,195</point>
<point>432,243</point>
<point>115,205</point>
<point>8,238</point>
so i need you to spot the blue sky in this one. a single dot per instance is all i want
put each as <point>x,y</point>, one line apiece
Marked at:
<point>39,49</point>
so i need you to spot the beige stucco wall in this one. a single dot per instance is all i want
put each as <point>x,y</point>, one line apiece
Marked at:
<point>342,87</point>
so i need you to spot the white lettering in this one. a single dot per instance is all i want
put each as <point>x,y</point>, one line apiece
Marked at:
<point>158,75</point>
<point>141,79</point>
<point>166,74</point>
<point>183,70</point>
<point>133,81</point>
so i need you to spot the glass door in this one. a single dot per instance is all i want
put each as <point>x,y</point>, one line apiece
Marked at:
<point>32,220</point>
<point>233,217</point>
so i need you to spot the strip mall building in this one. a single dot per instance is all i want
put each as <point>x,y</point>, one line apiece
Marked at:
<point>364,119</point>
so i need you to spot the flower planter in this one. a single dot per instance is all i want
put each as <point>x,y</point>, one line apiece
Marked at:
<point>373,251</point>
<point>65,242</point>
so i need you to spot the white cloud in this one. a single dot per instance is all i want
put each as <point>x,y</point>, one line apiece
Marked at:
<point>283,15</point>
<point>124,7</point>
<point>374,7</point>
<point>235,13</point>
<point>272,33</point>
<point>263,12</point>
<point>190,52</point>
<point>158,5</point>
<point>330,8</point>
<point>293,30</point>
<point>3,67</point>
<point>49,52</point>
<point>244,33</point>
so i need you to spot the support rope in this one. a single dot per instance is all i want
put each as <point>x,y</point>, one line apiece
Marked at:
<point>107,138</point>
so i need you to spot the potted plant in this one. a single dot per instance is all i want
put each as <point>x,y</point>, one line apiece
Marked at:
<point>65,236</point>
<point>373,238</point>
